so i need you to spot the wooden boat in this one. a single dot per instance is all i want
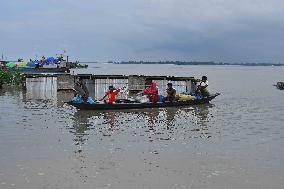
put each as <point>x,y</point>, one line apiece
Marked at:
<point>280,85</point>
<point>134,105</point>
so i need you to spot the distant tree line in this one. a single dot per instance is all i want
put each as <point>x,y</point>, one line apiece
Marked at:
<point>196,63</point>
<point>76,65</point>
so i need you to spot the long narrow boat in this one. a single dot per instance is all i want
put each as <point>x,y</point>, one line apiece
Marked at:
<point>120,106</point>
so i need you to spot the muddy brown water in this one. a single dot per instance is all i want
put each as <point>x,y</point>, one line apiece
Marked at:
<point>235,141</point>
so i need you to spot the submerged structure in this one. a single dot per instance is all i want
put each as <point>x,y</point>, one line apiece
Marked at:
<point>280,85</point>
<point>98,84</point>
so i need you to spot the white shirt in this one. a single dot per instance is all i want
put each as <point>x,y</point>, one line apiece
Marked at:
<point>203,84</point>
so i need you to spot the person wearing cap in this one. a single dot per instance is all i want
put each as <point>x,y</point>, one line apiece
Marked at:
<point>111,94</point>
<point>203,87</point>
<point>171,92</point>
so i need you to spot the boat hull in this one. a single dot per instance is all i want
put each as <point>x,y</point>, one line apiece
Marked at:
<point>122,106</point>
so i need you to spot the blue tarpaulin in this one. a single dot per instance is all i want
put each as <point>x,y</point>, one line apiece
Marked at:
<point>51,60</point>
<point>47,61</point>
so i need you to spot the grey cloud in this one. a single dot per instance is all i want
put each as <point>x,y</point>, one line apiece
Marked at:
<point>219,30</point>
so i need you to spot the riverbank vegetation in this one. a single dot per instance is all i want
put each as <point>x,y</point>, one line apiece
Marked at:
<point>9,76</point>
<point>76,65</point>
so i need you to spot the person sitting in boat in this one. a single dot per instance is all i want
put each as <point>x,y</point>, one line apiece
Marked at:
<point>202,88</point>
<point>111,94</point>
<point>171,92</point>
<point>152,91</point>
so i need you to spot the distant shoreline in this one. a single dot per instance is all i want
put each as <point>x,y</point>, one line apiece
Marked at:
<point>192,63</point>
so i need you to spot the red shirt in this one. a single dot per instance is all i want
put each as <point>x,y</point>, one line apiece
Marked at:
<point>152,92</point>
<point>112,96</point>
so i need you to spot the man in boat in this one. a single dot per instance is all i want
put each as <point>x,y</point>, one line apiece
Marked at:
<point>202,88</point>
<point>151,91</point>
<point>171,92</point>
<point>81,89</point>
<point>111,94</point>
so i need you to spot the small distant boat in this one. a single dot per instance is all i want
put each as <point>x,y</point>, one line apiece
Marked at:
<point>134,105</point>
<point>280,85</point>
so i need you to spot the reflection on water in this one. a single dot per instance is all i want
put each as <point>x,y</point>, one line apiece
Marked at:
<point>80,128</point>
<point>170,115</point>
<point>46,143</point>
<point>158,122</point>
<point>115,131</point>
<point>152,116</point>
<point>203,114</point>
<point>111,120</point>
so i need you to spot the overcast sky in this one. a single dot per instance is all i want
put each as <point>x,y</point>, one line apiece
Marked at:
<point>102,30</point>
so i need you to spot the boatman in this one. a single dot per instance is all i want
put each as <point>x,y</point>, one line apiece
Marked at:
<point>81,89</point>
<point>171,92</point>
<point>111,94</point>
<point>203,87</point>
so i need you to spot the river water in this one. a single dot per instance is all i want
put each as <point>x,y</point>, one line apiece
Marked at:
<point>234,142</point>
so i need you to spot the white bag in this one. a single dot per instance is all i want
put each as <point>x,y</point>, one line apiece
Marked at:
<point>142,99</point>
